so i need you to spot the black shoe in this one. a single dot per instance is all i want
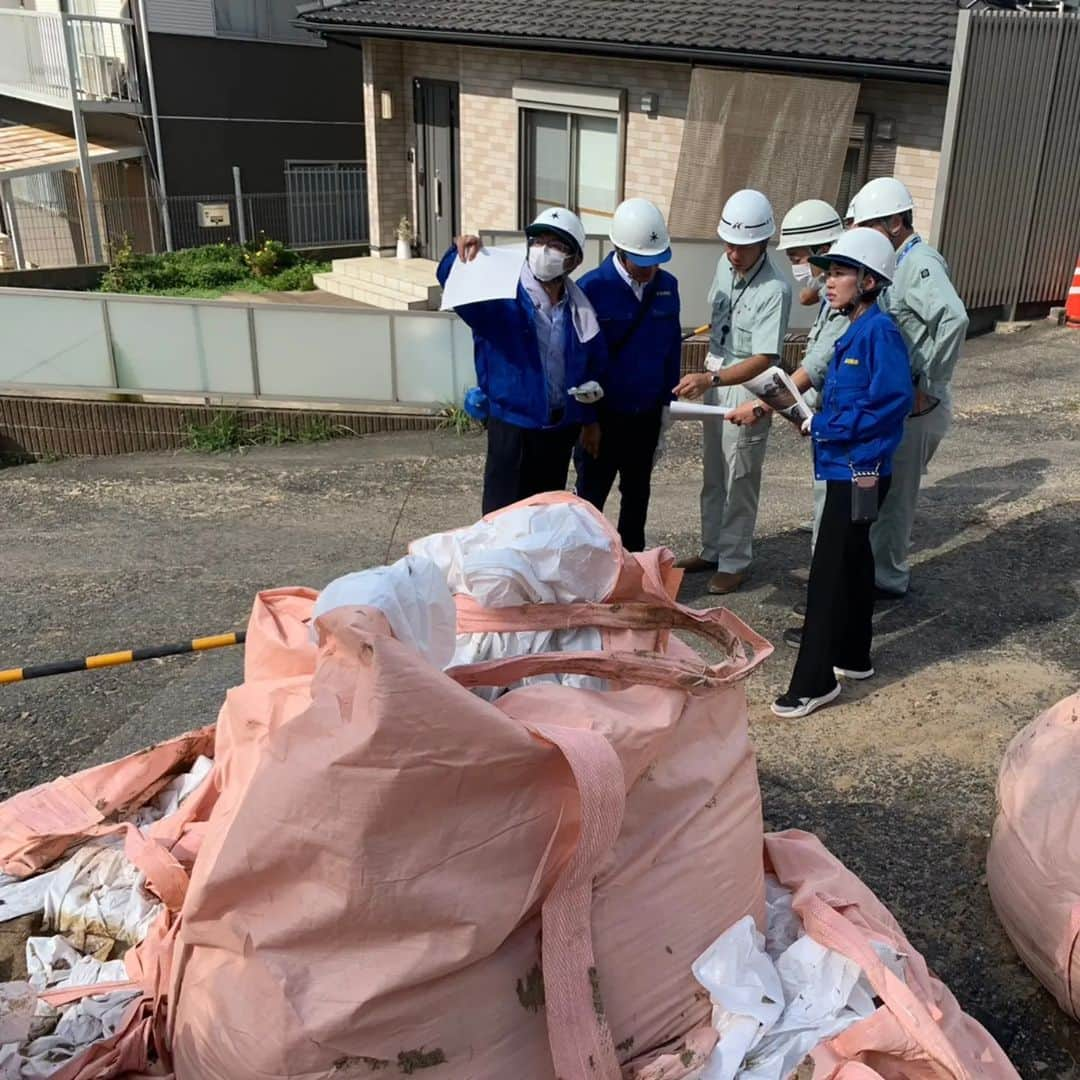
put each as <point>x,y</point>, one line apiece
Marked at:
<point>887,596</point>
<point>793,637</point>
<point>800,609</point>
<point>793,708</point>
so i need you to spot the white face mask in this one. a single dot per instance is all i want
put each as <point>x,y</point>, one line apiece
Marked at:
<point>546,263</point>
<point>804,274</point>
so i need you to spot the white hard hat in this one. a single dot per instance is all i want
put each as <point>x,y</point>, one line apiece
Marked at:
<point>639,229</point>
<point>865,249</point>
<point>881,198</point>
<point>562,222</point>
<point>810,224</point>
<point>747,218</point>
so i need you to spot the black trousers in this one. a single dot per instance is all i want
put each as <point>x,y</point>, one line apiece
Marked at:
<point>525,461</point>
<point>627,448</point>
<point>840,597</point>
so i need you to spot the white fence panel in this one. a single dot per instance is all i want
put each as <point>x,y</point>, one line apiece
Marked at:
<point>324,354</point>
<point>425,358</point>
<point>184,348</point>
<point>54,341</point>
<point>232,349</point>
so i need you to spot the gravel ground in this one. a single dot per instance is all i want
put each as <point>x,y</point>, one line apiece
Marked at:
<point>898,778</point>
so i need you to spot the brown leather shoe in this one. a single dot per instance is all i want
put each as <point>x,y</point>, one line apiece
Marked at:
<point>695,564</point>
<point>721,583</point>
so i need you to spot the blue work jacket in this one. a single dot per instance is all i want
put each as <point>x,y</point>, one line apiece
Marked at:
<point>509,370</point>
<point>867,396</point>
<point>642,374</point>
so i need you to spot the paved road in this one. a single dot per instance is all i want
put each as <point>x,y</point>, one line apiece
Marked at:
<point>898,778</point>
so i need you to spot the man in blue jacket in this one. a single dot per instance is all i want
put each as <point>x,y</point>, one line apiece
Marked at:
<point>637,304</point>
<point>530,352</point>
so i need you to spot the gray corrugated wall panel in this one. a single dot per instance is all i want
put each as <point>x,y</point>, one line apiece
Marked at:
<point>1056,234</point>
<point>1012,204</point>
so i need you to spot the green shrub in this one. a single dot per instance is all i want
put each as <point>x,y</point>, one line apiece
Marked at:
<point>296,278</point>
<point>213,269</point>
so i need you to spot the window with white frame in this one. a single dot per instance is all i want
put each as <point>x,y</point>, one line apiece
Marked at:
<point>263,20</point>
<point>571,151</point>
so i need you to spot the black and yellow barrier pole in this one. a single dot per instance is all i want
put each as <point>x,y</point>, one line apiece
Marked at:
<point>699,330</point>
<point>113,659</point>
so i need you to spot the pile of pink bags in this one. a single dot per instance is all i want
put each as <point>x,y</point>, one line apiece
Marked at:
<point>1033,868</point>
<point>394,868</point>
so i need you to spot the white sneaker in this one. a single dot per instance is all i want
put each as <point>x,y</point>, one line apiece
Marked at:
<point>847,673</point>
<point>792,708</point>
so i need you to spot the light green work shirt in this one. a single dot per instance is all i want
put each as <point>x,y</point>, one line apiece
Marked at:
<point>753,308</point>
<point>821,341</point>
<point>931,316</point>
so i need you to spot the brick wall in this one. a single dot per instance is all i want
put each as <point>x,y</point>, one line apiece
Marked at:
<point>919,112</point>
<point>489,124</point>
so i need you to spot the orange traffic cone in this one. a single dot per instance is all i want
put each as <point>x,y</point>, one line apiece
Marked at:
<point>1072,304</point>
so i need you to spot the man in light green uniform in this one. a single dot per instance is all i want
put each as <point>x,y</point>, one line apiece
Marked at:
<point>933,322</point>
<point>751,302</point>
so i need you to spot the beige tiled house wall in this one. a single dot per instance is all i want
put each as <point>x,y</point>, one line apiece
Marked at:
<point>489,119</point>
<point>490,196</point>
<point>919,112</point>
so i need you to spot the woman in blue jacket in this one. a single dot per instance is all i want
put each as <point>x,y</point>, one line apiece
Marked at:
<point>866,398</point>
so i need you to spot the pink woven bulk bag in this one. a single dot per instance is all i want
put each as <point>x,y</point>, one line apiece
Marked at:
<point>1033,867</point>
<point>404,875</point>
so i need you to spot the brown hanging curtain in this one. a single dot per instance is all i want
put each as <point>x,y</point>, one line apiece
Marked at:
<point>782,134</point>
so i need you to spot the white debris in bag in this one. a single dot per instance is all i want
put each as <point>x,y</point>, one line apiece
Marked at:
<point>99,895</point>
<point>782,926</point>
<point>413,596</point>
<point>169,798</point>
<point>777,996</point>
<point>552,554</point>
<point>52,963</point>
<point>746,993</point>
<point>20,897</point>
<point>566,552</point>
<point>81,1024</point>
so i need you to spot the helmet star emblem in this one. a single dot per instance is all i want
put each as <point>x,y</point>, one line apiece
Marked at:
<point>555,215</point>
<point>654,236</point>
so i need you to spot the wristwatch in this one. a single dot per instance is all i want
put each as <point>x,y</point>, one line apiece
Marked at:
<point>759,411</point>
<point>716,380</point>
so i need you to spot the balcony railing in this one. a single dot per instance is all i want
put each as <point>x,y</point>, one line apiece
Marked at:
<point>42,54</point>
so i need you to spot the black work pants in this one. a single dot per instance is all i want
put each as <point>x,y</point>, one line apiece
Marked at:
<point>840,597</point>
<point>525,461</point>
<point>627,448</point>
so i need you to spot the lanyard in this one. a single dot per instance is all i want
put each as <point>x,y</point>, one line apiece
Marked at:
<point>725,330</point>
<point>907,247</point>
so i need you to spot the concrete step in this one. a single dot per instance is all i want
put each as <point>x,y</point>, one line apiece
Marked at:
<point>411,279</point>
<point>367,292</point>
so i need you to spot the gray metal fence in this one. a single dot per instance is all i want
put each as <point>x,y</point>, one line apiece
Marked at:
<point>1008,201</point>
<point>322,206</point>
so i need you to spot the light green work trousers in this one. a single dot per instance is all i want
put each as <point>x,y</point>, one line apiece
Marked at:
<point>732,483</point>
<point>890,535</point>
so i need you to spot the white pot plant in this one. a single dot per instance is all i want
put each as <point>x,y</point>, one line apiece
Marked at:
<point>404,233</point>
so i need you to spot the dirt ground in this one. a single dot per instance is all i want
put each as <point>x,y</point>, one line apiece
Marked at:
<point>898,778</point>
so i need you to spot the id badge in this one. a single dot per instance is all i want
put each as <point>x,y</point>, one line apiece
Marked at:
<point>864,498</point>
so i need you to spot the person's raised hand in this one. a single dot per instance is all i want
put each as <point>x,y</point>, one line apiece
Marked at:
<point>693,386</point>
<point>468,247</point>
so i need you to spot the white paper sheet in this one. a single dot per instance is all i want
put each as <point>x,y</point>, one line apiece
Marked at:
<point>697,410</point>
<point>492,275</point>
